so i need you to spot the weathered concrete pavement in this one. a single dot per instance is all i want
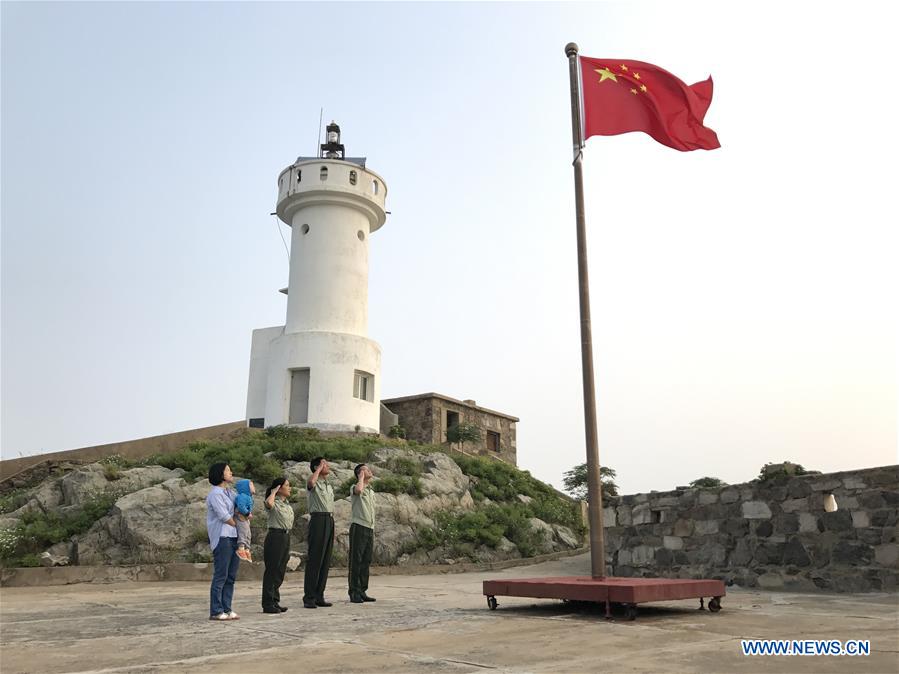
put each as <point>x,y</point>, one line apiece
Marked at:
<point>437,623</point>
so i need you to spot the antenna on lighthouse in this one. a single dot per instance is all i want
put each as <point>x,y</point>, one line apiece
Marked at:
<point>318,138</point>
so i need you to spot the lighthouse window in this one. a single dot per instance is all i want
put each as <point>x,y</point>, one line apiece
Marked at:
<point>374,186</point>
<point>299,176</point>
<point>352,177</point>
<point>324,173</point>
<point>363,386</point>
<point>304,229</point>
<point>361,235</point>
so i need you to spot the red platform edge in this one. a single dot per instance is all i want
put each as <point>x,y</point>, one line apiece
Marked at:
<point>611,588</point>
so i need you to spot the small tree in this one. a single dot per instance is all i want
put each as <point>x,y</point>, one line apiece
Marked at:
<point>771,471</point>
<point>575,481</point>
<point>396,431</point>
<point>463,433</point>
<point>708,482</point>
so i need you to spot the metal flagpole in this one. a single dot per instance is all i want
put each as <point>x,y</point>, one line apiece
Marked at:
<point>594,485</point>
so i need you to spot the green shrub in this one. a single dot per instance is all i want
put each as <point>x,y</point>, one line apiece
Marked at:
<point>475,526</point>
<point>501,483</point>
<point>112,472</point>
<point>786,469</point>
<point>429,538</point>
<point>396,431</point>
<point>246,456</point>
<point>13,499</point>
<point>118,461</point>
<point>483,526</point>
<point>345,488</point>
<point>708,483</point>
<point>290,444</point>
<point>38,530</point>
<point>283,432</point>
<point>403,465</point>
<point>399,484</point>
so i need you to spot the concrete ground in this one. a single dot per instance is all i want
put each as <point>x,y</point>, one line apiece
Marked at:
<point>436,623</point>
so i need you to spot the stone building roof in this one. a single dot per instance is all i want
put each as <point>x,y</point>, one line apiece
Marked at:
<point>464,403</point>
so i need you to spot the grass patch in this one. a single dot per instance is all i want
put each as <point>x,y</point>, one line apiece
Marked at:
<point>502,483</point>
<point>304,444</point>
<point>258,456</point>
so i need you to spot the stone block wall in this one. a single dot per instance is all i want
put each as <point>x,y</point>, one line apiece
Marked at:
<point>773,534</point>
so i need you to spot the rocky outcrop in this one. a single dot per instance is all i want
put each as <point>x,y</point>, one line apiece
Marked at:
<point>161,517</point>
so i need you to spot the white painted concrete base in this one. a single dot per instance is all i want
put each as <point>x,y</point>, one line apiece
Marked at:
<point>332,360</point>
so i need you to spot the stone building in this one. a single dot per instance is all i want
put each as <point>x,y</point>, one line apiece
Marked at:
<point>426,417</point>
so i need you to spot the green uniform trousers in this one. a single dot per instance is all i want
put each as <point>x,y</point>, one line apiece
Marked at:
<point>275,552</point>
<point>361,542</point>
<point>318,561</point>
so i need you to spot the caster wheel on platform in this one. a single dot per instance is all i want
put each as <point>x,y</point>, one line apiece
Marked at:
<point>491,603</point>
<point>715,604</point>
<point>630,612</point>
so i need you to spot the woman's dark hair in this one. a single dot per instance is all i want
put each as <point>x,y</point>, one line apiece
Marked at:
<point>314,463</point>
<point>217,473</point>
<point>276,485</point>
<point>357,469</point>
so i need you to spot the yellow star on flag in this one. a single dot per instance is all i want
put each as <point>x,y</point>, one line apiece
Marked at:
<point>634,91</point>
<point>636,76</point>
<point>606,74</point>
<point>624,67</point>
<point>642,87</point>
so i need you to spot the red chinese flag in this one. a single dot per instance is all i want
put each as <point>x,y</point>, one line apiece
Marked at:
<point>620,96</point>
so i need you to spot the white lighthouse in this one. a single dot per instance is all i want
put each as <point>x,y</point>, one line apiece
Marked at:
<point>320,369</point>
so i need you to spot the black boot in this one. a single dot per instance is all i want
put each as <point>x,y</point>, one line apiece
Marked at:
<point>365,597</point>
<point>356,599</point>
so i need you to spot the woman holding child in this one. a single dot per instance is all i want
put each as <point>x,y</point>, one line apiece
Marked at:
<point>276,550</point>
<point>222,531</point>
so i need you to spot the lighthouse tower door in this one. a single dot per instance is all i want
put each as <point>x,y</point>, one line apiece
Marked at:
<point>299,397</point>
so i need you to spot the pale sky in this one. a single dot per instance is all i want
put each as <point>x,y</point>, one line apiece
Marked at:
<point>743,299</point>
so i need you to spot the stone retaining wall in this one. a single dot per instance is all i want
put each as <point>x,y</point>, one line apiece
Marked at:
<point>27,469</point>
<point>773,534</point>
<point>68,575</point>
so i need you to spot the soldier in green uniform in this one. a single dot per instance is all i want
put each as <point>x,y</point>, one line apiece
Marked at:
<point>362,534</point>
<point>320,497</point>
<point>276,550</point>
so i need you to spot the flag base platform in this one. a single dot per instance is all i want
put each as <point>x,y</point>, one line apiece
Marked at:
<point>609,590</point>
